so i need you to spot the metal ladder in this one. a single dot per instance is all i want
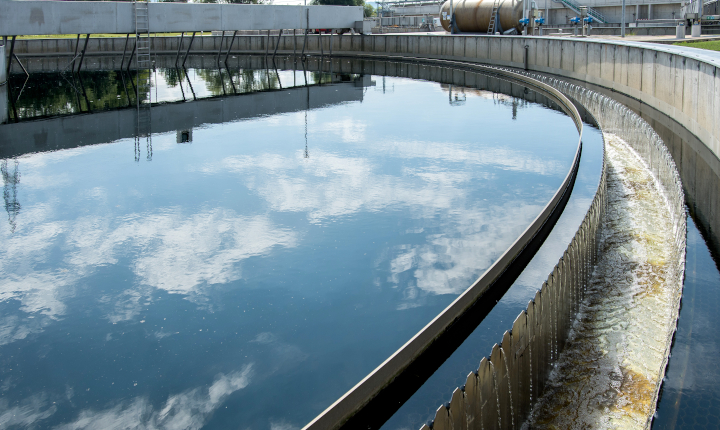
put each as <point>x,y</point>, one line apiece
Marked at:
<point>144,74</point>
<point>493,17</point>
<point>143,131</point>
<point>142,34</point>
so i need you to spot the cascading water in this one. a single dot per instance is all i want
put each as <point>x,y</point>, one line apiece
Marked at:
<point>615,355</point>
<point>610,372</point>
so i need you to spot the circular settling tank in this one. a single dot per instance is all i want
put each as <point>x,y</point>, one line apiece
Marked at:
<point>265,242</point>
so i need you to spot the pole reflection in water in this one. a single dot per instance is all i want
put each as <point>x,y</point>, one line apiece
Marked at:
<point>11,178</point>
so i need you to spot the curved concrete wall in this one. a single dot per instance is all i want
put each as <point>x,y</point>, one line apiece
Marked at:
<point>680,82</point>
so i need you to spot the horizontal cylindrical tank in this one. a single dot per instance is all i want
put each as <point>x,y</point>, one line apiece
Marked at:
<point>473,16</point>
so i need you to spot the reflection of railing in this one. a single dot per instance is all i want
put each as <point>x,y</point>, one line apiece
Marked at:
<point>576,8</point>
<point>368,402</point>
<point>505,386</point>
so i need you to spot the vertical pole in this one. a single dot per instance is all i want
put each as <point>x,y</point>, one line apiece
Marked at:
<point>267,43</point>
<point>177,56</point>
<point>23,69</point>
<point>307,24</point>
<point>222,39</point>
<point>231,78</point>
<point>230,48</point>
<point>278,43</point>
<point>127,38</point>
<point>188,50</point>
<point>12,49</point>
<point>82,57</point>
<point>302,53</point>
<point>622,20</point>
<point>131,57</point>
<point>331,32</point>
<point>294,44</point>
<point>452,17</point>
<point>77,45</point>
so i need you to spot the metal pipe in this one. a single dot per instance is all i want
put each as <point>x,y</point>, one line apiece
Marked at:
<point>188,50</point>
<point>277,44</point>
<point>132,54</point>
<point>21,65</point>
<point>622,20</point>
<point>177,56</point>
<point>267,43</point>
<point>232,84</point>
<point>77,45</point>
<point>84,93</point>
<point>330,43</point>
<point>189,84</point>
<point>222,39</point>
<point>232,41</point>
<point>12,50</point>
<point>294,44</point>
<point>304,43</point>
<point>122,76</point>
<point>127,38</point>
<point>527,47</point>
<point>222,80</point>
<point>82,57</point>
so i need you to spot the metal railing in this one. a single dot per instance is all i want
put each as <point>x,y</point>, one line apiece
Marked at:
<point>503,390</point>
<point>576,8</point>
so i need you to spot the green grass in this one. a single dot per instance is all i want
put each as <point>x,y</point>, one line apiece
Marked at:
<point>713,45</point>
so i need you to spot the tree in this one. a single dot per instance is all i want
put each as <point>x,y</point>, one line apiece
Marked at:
<point>368,10</point>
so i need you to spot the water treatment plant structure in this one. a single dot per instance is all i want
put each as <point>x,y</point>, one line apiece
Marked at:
<point>677,83</point>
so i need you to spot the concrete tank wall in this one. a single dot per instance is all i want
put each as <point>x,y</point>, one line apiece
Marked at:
<point>83,17</point>
<point>473,16</point>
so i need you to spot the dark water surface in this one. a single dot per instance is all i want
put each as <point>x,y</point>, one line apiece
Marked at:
<point>250,276</point>
<point>690,395</point>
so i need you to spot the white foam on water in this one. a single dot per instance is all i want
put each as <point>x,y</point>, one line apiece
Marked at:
<point>609,374</point>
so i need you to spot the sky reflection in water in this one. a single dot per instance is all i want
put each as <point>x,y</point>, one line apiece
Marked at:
<point>246,279</point>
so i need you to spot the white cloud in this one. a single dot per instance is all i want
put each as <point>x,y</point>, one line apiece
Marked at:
<point>282,425</point>
<point>168,250</point>
<point>26,413</point>
<point>448,263</point>
<point>348,129</point>
<point>188,410</point>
